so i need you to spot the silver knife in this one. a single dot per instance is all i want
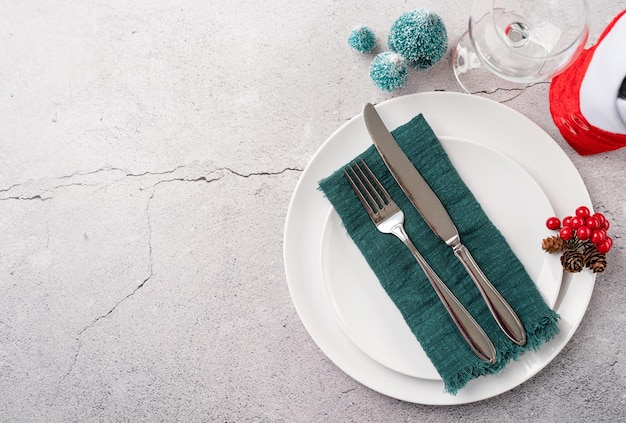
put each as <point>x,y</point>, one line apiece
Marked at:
<point>434,213</point>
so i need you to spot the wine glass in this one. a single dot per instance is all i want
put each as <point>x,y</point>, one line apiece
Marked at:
<point>511,44</point>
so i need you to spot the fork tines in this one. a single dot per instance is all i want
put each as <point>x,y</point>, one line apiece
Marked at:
<point>368,188</point>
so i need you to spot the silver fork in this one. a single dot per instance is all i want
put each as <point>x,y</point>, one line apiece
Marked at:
<point>389,219</point>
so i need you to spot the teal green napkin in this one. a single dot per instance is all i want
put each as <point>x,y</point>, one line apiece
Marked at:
<point>405,283</point>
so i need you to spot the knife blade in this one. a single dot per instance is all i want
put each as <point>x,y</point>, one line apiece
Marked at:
<point>436,216</point>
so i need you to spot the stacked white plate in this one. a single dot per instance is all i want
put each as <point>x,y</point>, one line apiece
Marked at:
<point>517,173</point>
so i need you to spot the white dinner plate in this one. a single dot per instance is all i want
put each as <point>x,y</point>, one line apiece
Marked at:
<point>455,116</point>
<point>515,204</point>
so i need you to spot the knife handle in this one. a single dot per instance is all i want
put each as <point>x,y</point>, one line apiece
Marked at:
<point>500,309</point>
<point>471,331</point>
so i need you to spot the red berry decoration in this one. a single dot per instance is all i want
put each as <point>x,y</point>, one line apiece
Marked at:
<point>598,236</point>
<point>604,247</point>
<point>592,222</point>
<point>566,233</point>
<point>600,218</point>
<point>553,223</point>
<point>581,236</point>
<point>567,220</point>
<point>584,233</point>
<point>576,222</point>
<point>583,212</point>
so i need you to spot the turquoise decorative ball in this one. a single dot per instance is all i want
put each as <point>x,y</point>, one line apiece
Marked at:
<point>389,71</point>
<point>420,37</point>
<point>362,39</point>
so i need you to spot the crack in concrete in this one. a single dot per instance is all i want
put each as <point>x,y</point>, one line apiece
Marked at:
<point>125,172</point>
<point>20,198</point>
<point>165,172</point>
<point>103,316</point>
<point>109,169</point>
<point>247,175</point>
<point>201,178</point>
<point>108,313</point>
<point>242,175</point>
<point>10,188</point>
<point>204,179</point>
<point>73,184</point>
<point>135,175</point>
<point>518,90</point>
<point>74,361</point>
<point>80,333</point>
<point>90,172</point>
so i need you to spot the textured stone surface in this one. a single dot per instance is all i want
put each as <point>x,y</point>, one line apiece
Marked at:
<point>148,152</point>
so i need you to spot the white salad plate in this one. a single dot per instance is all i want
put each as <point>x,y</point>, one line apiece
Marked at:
<point>517,173</point>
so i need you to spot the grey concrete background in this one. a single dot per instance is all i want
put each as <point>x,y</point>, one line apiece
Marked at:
<point>148,152</point>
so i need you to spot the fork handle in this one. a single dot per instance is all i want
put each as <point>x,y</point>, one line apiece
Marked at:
<point>473,334</point>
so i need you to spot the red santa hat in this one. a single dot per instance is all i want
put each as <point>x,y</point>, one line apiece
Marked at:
<point>588,100</point>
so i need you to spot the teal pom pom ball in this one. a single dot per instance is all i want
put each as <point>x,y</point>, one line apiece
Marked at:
<point>389,71</point>
<point>362,39</point>
<point>420,37</point>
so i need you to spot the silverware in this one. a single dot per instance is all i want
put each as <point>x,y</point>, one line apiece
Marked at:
<point>389,219</point>
<point>434,213</point>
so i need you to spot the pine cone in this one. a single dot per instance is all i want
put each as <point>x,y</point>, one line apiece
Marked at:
<point>553,244</point>
<point>594,259</point>
<point>572,261</point>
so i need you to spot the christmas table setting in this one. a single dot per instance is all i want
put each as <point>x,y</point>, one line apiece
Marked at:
<point>373,319</point>
<point>296,211</point>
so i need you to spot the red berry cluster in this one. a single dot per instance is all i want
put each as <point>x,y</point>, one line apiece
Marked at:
<point>584,226</point>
